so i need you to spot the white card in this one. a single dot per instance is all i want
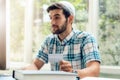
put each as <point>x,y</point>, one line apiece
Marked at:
<point>55,58</point>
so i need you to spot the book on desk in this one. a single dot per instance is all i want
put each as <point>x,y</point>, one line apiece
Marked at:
<point>43,75</point>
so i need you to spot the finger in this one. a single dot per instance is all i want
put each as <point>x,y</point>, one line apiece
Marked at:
<point>65,66</point>
<point>67,69</point>
<point>64,62</point>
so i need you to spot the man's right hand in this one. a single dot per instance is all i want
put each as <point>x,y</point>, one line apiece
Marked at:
<point>36,65</point>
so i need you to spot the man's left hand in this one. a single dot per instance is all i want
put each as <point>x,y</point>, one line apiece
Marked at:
<point>66,66</point>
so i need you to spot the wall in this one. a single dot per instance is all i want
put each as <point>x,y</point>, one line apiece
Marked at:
<point>2,35</point>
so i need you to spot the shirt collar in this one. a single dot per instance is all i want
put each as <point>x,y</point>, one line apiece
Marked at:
<point>66,39</point>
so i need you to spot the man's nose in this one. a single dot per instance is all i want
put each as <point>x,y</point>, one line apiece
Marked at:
<point>52,21</point>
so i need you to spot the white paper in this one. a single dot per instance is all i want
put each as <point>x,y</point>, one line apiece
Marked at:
<point>55,58</point>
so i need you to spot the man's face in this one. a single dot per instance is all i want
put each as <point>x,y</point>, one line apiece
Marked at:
<point>58,21</point>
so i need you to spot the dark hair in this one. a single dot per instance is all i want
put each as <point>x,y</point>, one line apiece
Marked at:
<point>66,11</point>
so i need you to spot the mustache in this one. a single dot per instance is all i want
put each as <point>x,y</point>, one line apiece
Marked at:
<point>54,25</point>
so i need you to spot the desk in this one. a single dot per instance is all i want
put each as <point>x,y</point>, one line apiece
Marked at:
<point>88,78</point>
<point>6,78</point>
<point>98,78</point>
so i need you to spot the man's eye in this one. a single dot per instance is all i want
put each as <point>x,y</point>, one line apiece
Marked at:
<point>56,17</point>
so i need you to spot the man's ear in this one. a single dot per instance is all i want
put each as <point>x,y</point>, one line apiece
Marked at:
<point>71,19</point>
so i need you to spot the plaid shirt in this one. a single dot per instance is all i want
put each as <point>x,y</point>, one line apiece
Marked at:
<point>78,48</point>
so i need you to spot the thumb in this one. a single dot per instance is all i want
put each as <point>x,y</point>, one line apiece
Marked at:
<point>62,62</point>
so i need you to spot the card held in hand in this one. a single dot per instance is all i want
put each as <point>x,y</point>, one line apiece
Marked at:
<point>55,58</point>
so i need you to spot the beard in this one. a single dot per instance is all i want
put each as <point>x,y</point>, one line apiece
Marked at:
<point>59,29</point>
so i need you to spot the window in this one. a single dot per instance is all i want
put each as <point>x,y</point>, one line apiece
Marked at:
<point>108,37</point>
<point>16,31</point>
<point>109,26</point>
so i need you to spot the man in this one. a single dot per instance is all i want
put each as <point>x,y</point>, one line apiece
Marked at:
<point>79,48</point>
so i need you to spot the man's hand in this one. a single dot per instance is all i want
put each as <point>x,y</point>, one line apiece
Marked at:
<point>65,66</point>
<point>36,65</point>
